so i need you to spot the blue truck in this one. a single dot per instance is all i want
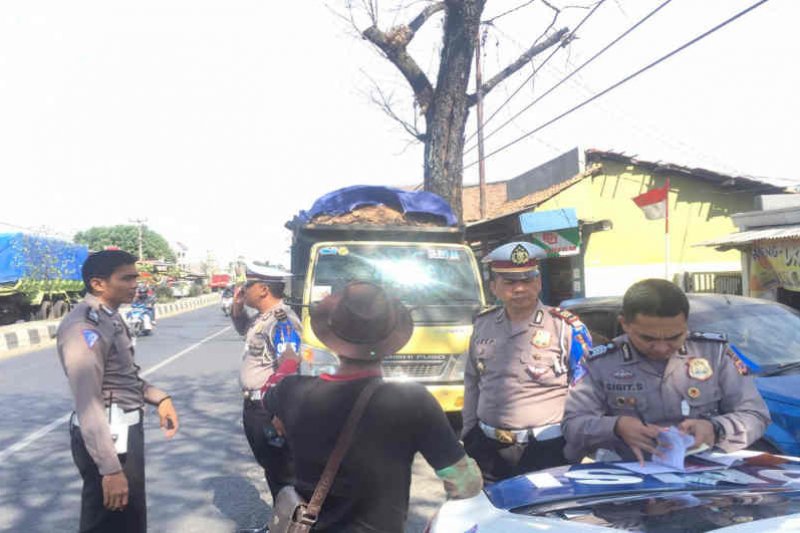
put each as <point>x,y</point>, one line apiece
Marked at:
<point>40,277</point>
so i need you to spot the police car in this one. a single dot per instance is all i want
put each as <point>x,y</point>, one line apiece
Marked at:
<point>742,492</point>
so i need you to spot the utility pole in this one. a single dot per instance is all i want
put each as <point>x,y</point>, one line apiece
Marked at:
<point>140,224</point>
<point>479,109</point>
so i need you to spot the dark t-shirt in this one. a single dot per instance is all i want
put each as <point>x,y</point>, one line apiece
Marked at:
<point>371,490</point>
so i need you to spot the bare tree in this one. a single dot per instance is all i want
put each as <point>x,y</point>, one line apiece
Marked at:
<point>445,105</point>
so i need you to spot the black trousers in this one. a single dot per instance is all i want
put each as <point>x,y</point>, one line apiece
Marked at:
<point>499,461</point>
<point>94,517</point>
<point>275,460</point>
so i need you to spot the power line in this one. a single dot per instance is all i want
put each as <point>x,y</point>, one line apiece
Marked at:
<point>622,81</point>
<point>535,70</point>
<point>563,80</point>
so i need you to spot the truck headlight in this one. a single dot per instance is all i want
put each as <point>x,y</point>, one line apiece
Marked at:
<point>316,361</point>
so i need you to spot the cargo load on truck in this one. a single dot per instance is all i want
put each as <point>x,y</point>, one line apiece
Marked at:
<point>40,277</point>
<point>409,242</point>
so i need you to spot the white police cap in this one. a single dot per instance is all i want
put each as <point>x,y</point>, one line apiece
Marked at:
<point>516,260</point>
<point>256,272</point>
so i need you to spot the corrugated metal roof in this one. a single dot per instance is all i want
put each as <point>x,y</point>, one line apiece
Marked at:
<point>763,234</point>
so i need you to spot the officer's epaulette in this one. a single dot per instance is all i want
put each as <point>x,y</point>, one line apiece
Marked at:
<point>92,316</point>
<point>487,311</point>
<point>603,349</point>
<point>707,336</point>
<point>567,316</point>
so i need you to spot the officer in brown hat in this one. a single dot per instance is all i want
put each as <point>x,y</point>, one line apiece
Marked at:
<point>515,381</point>
<point>263,291</point>
<point>361,325</point>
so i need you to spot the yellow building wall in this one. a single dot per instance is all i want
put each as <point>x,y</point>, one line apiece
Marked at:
<point>634,249</point>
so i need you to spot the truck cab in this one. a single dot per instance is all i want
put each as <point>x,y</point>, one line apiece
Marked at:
<point>430,269</point>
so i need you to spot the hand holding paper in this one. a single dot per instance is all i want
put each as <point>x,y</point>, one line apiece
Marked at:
<point>672,447</point>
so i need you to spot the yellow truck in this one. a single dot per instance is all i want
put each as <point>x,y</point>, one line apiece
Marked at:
<point>429,267</point>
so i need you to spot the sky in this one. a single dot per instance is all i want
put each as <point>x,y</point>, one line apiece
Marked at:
<point>218,121</point>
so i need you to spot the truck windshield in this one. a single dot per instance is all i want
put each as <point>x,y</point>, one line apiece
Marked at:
<point>438,283</point>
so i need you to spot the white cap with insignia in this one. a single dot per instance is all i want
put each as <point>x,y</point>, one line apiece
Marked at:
<point>267,274</point>
<point>516,260</point>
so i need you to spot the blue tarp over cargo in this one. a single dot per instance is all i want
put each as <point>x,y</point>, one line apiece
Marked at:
<point>31,256</point>
<point>347,199</point>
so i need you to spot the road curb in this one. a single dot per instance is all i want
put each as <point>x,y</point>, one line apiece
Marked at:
<point>17,339</point>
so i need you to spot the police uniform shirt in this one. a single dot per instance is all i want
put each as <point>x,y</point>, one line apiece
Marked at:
<point>96,352</point>
<point>516,376</point>
<point>258,362</point>
<point>705,379</point>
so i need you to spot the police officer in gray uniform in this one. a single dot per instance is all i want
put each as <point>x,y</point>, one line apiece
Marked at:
<point>96,351</point>
<point>658,375</point>
<point>263,291</point>
<point>515,380</point>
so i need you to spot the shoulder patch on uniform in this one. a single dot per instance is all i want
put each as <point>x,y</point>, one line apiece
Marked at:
<point>567,316</point>
<point>708,336</point>
<point>93,316</point>
<point>603,349</point>
<point>487,311</point>
<point>91,337</point>
<point>739,365</point>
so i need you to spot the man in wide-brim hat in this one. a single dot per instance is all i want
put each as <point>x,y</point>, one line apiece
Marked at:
<point>362,324</point>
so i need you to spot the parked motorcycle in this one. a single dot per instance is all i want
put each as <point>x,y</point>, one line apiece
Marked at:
<point>227,305</point>
<point>139,319</point>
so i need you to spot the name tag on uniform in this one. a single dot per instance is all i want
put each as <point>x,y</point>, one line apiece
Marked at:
<point>119,429</point>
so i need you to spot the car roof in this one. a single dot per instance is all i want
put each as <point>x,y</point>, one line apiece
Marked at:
<point>697,302</point>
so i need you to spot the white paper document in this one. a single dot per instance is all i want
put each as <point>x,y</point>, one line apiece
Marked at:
<point>726,459</point>
<point>672,447</point>
<point>649,467</point>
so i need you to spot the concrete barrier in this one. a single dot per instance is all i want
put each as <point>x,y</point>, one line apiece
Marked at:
<point>27,336</point>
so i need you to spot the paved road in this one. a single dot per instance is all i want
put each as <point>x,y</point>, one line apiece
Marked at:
<point>204,480</point>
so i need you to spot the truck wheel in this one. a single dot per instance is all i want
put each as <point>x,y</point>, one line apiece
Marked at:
<point>60,308</point>
<point>45,310</point>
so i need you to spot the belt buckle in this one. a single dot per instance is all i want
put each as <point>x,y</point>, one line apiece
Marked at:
<point>504,436</point>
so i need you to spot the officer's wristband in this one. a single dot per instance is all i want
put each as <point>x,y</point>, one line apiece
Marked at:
<point>719,430</point>
<point>164,399</point>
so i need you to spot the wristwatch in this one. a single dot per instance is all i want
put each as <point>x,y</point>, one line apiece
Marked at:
<point>719,430</point>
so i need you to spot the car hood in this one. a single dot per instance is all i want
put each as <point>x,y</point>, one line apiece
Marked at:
<point>560,487</point>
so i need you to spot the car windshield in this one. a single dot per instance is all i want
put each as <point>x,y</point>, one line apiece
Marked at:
<point>437,282</point>
<point>767,334</point>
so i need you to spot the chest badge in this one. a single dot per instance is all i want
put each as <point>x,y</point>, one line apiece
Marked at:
<point>700,369</point>
<point>694,393</point>
<point>541,339</point>
<point>481,366</point>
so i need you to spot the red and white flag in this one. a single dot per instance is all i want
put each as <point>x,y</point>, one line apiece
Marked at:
<point>653,203</point>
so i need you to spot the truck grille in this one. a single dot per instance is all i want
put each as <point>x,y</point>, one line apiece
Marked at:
<point>414,366</point>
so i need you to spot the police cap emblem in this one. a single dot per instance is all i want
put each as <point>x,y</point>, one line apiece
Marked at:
<point>519,255</point>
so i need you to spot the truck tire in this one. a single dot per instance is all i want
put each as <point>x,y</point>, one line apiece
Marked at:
<point>45,310</point>
<point>60,308</point>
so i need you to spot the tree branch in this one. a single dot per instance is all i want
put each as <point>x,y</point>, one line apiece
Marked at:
<point>393,45</point>
<point>561,36</point>
<point>384,102</point>
<point>420,19</point>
